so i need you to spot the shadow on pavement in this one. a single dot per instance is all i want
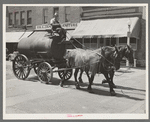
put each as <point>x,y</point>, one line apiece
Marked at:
<point>107,93</point>
<point>67,84</point>
<point>125,71</point>
<point>119,87</point>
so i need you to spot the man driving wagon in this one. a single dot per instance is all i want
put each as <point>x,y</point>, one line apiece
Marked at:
<point>56,27</point>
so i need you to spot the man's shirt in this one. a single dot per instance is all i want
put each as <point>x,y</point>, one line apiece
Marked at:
<point>53,21</point>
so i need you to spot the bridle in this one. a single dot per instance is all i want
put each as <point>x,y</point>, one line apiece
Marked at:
<point>111,63</point>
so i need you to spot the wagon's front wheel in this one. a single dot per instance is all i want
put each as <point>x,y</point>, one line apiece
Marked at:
<point>20,67</point>
<point>45,72</point>
<point>67,76</point>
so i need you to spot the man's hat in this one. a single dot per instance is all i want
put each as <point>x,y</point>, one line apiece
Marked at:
<point>56,14</point>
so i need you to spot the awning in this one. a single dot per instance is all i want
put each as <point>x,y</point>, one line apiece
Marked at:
<point>12,37</point>
<point>69,34</point>
<point>116,27</point>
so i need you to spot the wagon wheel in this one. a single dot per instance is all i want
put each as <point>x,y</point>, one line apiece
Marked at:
<point>45,72</point>
<point>20,67</point>
<point>68,74</point>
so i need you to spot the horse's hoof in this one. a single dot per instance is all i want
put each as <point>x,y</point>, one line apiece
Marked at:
<point>77,86</point>
<point>104,81</point>
<point>61,85</point>
<point>90,90</point>
<point>113,93</point>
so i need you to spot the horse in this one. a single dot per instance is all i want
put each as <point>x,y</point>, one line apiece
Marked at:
<point>125,51</point>
<point>100,60</point>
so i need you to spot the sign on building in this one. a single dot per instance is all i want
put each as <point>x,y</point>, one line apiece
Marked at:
<point>69,25</point>
<point>46,26</point>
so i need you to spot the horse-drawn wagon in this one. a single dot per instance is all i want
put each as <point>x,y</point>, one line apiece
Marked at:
<point>42,51</point>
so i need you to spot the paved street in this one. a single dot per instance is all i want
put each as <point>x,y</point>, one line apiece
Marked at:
<point>31,96</point>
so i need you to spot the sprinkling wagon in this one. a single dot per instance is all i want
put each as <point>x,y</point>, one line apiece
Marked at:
<point>43,51</point>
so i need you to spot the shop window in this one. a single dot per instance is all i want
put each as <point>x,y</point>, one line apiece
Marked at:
<point>67,13</point>
<point>87,42</point>
<point>29,18</point>
<point>94,43</point>
<point>123,41</point>
<point>101,42</point>
<point>45,15</point>
<point>113,41</point>
<point>133,43</point>
<point>16,18</point>
<point>107,41</point>
<point>10,19</point>
<point>22,17</point>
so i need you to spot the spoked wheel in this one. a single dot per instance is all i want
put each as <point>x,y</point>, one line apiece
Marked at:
<point>67,76</point>
<point>20,67</point>
<point>45,72</point>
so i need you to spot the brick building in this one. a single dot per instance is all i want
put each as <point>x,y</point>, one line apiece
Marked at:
<point>71,16</point>
<point>121,13</point>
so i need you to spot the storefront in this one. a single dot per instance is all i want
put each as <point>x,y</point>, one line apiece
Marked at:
<point>12,39</point>
<point>107,32</point>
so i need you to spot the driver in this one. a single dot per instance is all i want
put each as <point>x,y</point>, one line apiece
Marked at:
<point>54,22</point>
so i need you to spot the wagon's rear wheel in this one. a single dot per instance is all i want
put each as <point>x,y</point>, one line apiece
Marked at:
<point>67,76</point>
<point>45,72</point>
<point>20,67</point>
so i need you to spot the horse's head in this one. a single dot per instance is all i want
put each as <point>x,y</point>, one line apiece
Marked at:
<point>116,58</point>
<point>111,57</point>
<point>129,54</point>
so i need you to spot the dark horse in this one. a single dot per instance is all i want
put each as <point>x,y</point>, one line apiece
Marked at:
<point>125,51</point>
<point>101,60</point>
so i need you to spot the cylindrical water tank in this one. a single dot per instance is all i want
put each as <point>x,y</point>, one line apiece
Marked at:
<point>42,44</point>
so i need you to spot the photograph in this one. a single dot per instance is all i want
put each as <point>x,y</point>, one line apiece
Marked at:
<point>75,61</point>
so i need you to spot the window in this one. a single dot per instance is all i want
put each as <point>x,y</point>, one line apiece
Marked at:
<point>56,10</point>
<point>107,41</point>
<point>133,43</point>
<point>16,18</point>
<point>10,18</point>
<point>113,41</point>
<point>45,15</point>
<point>22,17</point>
<point>87,42</point>
<point>29,19</point>
<point>122,41</point>
<point>94,43</point>
<point>67,13</point>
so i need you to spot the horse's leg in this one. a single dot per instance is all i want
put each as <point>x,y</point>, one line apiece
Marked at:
<point>63,80</point>
<point>80,77</point>
<point>75,77</point>
<point>112,92</point>
<point>90,82</point>
<point>111,73</point>
<point>111,78</point>
<point>87,73</point>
